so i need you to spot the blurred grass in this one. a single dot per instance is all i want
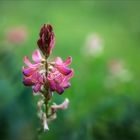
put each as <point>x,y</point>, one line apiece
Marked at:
<point>95,111</point>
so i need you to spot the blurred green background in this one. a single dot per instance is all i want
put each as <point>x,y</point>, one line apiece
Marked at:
<point>105,92</point>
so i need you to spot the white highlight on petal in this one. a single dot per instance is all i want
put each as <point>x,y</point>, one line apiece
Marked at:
<point>65,104</point>
<point>36,56</point>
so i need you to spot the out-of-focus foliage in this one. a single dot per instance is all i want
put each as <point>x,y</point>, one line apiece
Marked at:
<point>105,92</point>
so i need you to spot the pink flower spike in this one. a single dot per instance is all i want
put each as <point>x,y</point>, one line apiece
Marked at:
<point>45,76</point>
<point>37,56</point>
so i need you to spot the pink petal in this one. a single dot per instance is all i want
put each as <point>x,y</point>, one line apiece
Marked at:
<point>66,85</point>
<point>39,42</point>
<point>28,81</point>
<point>36,88</point>
<point>64,70</point>
<point>52,85</point>
<point>49,27</point>
<point>28,71</point>
<point>36,76</point>
<point>41,79</point>
<point>56,87</point>
<point>42,30</point>
<point>58,61</point>
<point>70,75</point>
<point>37,56</point>
<point>51,45</point>
<point>59,89</point>
<point>28,63</point>
<point>68,61</point>
<point>43,41</point>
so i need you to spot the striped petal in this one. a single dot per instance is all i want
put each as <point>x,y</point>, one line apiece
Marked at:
<point>51,45</point>
<point>28,71</point>
<point>36,88</point>
<point>64,70</point>
<point>68,61</point>
<point>28,63</point>
<point>70,75</point>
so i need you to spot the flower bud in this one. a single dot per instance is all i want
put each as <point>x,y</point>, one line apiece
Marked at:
<point>46,40</point>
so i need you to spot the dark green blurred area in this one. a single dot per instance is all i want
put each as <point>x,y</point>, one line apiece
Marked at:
<point>96,112</point>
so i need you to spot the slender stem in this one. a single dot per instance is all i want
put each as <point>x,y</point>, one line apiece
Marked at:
<point>46,67</point>
<point>47,94</point>
<point>46,105</point>
<point>47,97</point>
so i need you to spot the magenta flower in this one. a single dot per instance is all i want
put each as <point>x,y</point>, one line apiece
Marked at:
<point>45,77</point>
<point>46,40</point>
<point>60,75</point>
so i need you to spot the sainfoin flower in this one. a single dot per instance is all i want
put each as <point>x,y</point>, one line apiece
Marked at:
<point>46,77</point>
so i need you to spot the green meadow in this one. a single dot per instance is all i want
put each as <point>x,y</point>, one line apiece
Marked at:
<point>103,105</point>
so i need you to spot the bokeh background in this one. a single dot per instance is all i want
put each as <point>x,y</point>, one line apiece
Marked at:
<point>103,37</point>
